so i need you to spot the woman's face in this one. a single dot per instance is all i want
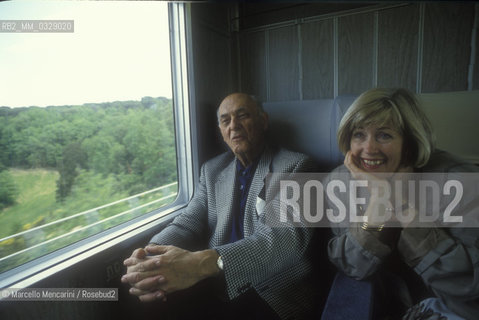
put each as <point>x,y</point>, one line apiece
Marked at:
<point>377,149</point>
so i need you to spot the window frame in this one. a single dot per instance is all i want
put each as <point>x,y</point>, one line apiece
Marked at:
<point>47,265</point>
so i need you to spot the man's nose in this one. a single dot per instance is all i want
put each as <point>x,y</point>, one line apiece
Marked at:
<point>234,123</point>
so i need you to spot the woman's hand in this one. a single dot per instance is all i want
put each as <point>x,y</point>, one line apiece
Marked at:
<point>352,163</point>
<point>380,208</point>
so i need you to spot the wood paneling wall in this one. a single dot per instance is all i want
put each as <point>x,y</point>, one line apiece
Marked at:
<point>283,64</point>
<point>424,47</point>
<point>475,76</point>
<point>355,53</point>
<point>318,54</point>
<point>447,41</point>
<point>398,32</point>
<point>253,70</point>
<point>214,71</point>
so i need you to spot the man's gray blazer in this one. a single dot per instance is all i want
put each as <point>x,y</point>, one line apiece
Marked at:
<point>274,261</point>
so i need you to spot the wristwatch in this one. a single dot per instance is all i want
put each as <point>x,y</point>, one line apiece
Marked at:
<point>219,263</point>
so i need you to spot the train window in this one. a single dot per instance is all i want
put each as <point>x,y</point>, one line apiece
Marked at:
<point>89,122</point>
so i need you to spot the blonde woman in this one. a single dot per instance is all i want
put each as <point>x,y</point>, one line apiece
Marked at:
<point>384,133</point>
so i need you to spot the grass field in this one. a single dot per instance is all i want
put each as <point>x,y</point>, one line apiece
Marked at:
<point>36,206</point>
<point>36,200</point>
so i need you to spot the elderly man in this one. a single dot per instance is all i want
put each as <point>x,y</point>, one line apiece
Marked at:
<point>226,219</point>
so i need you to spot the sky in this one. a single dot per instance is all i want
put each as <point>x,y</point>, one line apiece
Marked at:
<point>119,50</point>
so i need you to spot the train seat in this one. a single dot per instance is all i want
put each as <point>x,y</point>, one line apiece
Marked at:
<point>309,126</point>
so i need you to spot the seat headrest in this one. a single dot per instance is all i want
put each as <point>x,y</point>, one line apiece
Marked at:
<point>309,126</point>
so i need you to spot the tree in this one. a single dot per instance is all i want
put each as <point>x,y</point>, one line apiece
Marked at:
<point>73,156</point>
<point>8,190</point>
<point>131,140</point>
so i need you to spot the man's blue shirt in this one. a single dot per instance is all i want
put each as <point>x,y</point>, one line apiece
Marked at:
<point>243,182</point>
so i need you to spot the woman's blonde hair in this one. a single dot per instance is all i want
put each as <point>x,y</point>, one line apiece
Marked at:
<point>396,107</point>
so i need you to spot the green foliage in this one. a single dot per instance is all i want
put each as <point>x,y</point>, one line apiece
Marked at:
<point>37,206</point>
<point>73,156</point>
<point>8,189</point>
<point>131,139</point>
<point>36,197</point>
<point>59,161</point>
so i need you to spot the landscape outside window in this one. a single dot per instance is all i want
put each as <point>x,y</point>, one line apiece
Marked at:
<point>87,136</point>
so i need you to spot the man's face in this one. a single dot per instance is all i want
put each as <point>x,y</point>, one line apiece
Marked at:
<point>242,127</point>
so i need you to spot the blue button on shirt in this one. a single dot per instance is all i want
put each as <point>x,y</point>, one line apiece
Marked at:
<point>243,182</point>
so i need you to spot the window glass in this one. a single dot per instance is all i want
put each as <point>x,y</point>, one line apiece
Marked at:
<point>87,136</point>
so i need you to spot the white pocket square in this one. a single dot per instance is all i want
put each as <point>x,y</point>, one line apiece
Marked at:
<point>260,204</point>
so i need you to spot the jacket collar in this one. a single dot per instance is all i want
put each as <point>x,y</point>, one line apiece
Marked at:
<point>225,193</point>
